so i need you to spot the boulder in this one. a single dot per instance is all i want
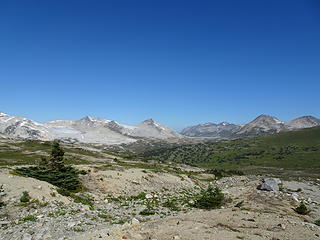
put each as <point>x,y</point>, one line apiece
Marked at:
<point>270,184</point>
<point>135,221</point>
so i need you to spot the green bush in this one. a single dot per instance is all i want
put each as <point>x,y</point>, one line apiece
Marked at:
<point>28,218</point>
<point>2,204</point>
<point>171,204</point>
<point>84,199</point>
<point>147,212</point>
<point>302,209</point>
<point>25,197</point>
<point>65,177</point>
<point>317,222</point>
<point>210,198</point>
<point>220,173</point>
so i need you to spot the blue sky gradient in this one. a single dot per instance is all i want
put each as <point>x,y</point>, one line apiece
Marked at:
<point>180,62</point>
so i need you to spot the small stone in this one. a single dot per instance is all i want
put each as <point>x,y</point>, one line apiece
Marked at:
<point>176,238</point>
<point>135,221</point>
<point>148,196</point>
<point>106,200</point>
<point>27,236</point>
<point>72,224</point>
<point>280,225</point>
<point>4,223</point>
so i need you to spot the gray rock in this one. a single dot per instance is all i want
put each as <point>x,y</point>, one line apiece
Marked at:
<point>4,223</point>
<point>135,221</point>
<point>270,184</point>
<point>27,237</point>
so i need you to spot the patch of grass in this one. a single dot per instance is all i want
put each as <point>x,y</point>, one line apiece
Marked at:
<point>28,218</point>
<point>25,197</point>
<point>147,211</point>
<point>57,213</point>
<point>302,209</point>
<point>171,204</point>
<point>83,198</point>
<point>140,196</point>
<point>76,229</point>
<point>210,198</point>
<point>105,216</point>
<point>74,211</point>
<point>121,221</point>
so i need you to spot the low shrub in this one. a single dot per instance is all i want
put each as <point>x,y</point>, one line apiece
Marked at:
<point>302,209</point>
<point>211,198</point>
<point>171,204</point>
<point>2,204</point>
<point>25,197</point>
<point>65,177</point>
<point>28,218</point>
<point>220,173</point>
<point>317,222</point>
<point>147,212</point>
<point>84,199</point>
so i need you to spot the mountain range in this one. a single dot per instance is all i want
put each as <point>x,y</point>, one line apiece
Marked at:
<point>86,130</point>
<point>262,125</point>
<point>103,131</point>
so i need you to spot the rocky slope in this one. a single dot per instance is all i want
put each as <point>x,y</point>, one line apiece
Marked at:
<point>85,130</point>
<point>119,205</point>
<point>263,124</point>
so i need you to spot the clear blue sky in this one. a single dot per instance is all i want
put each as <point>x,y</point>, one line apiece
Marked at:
<point>180,62</point>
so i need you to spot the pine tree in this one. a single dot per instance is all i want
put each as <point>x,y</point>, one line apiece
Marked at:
<point>56,157</point>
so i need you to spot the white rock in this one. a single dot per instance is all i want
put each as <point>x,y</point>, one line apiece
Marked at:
<point>135,221</point>
<point>148,196</point>
<point>295,197</point>
<point>27,237</point>
<point>72,224</point>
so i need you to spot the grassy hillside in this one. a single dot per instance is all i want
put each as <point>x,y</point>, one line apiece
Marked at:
<point>20,152</point>
<point>288,150</point>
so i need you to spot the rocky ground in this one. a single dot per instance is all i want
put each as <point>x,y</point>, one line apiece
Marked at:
<point>140,201</point>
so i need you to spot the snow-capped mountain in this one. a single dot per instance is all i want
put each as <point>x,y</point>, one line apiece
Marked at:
<point>221,130</point>
<point>263,124</point>
<point>151,129</point>
<point>21,127</point>
<point>86,130</point>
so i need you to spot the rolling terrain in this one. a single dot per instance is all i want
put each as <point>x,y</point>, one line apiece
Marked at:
<point>299,149</point>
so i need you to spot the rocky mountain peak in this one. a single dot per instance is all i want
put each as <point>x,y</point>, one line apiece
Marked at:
<point>149,121</point>
<point>304,122</point>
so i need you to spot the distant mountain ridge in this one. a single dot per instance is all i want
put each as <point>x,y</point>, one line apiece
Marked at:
<point>102,131</point>
<point>86,130</point>
<point>220,130</point>
<point>262,125</point>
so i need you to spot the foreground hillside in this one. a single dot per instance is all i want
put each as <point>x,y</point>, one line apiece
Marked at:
<point>296,150</point>
<point>93,193</point>
<point>138,201</point>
